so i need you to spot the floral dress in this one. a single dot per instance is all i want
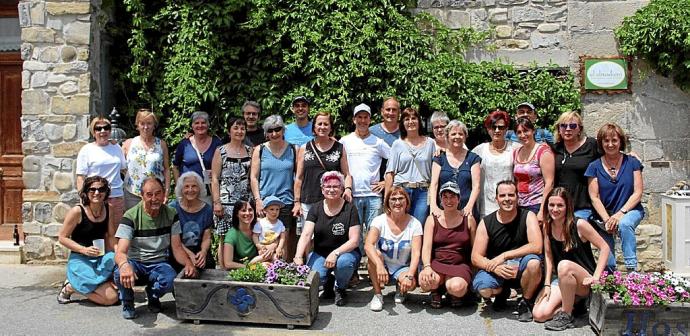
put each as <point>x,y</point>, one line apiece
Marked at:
<point>142,163</point>
<point>234,186</point>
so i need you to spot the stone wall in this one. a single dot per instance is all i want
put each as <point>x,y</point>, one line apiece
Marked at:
<point>559,32</point>
<point>57,101</point>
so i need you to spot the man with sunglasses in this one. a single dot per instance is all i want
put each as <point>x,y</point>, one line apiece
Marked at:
<point>526,110</point>
<point>299,132</point>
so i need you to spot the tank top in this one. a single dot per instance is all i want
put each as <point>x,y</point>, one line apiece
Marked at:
<point>87,231</point>
<point>530,181</point>
<point>505,237</point>
<point>311,183</point>
<point>277,173</point>
<point>451,246</point>
<point>142,162</point>
<point>580,253</point>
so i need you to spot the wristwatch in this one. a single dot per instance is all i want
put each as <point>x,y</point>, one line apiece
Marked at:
<point>409,277</point>
<point>624,211</point>
<point>337,254</point>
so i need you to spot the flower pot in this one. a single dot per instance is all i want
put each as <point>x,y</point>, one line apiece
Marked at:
<point>609,318</point>
<point>213,297</point>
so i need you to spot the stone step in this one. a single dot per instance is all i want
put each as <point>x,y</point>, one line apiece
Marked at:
<point>10,254</point>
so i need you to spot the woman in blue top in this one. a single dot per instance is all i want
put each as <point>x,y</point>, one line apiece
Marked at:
<point>196,220</point>
<point>615,187</point>
<point>196,153</point>
<point>273,173</point>
<point>458,165</point>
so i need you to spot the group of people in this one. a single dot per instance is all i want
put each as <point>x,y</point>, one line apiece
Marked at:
<point>521,210</point>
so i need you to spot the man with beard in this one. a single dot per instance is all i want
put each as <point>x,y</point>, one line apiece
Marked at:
<point>146,234</point>
<point>507,251</point>
<point>299,132</point>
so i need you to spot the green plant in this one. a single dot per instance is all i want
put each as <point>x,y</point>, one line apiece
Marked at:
<point>255,272</point>
<point>660,33</point>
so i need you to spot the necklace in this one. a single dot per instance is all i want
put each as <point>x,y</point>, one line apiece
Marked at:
<point>96,215</point>
<point>612,167</point>
<point>505,144</point>
<point>234,150</point>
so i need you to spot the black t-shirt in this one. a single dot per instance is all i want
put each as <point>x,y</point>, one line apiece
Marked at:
<point>331,232</point>
<point>570,170</point>
<point>581,253</point>
<point>311,181</point>
<point>256,137</point>
<point>505,237</point>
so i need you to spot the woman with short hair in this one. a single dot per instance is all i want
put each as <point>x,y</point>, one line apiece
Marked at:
<point>439,120</point>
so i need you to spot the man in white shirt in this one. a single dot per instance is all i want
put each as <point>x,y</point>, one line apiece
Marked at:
<point>365,152</point>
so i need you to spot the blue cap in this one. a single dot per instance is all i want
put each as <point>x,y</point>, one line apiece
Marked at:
<point>269,200</point>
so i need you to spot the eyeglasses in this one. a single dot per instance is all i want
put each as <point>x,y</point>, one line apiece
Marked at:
<point>571,126</point>
<point>102,128</point>
<point>439,127</point>
<point>100,190</point>
<point>498,127</point>
<point>332,186</point>
<point>397,199</point>
<point>274,130</point>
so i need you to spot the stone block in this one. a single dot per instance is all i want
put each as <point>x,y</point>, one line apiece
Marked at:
<point>27,213</point>
<point>35,147</point>
<point>647,230</point>
<point>64,8</point>
<point>71,68</point>
<point>84,18</point>
<point>559,14</point>
<point>512,44</point>
<point>71,197</point>
<point>53,132</point>
<point>498,15</point>
<point>38,34</point>
<point>32,227</point>
<point>58,163</point>
<point>52,229</point>
<point>60,211</point>
<point>541,57</point>
<point>55,79</point>
<point>504,31</point>
<point>522,14</point>
<point>57,119</point>
<point>77,33</point>
<point>26,79</point>
<point>31,163</point>
<point>32,180</point>
<point>43,212</point>
<point>511,2</point>
<point>26,50</point>
<point>55,24</point>
<point>34,102</point>
<point>456,19</point>
<point>32,130</point>
<point>49,55</point>
<point>650,254</point>
<point>85,83</point>
<point>68,54</point>
<point>68,149</point>
<point>69,132</point>
<point>68,88</point>
<point>529,25</point>
<point>594,44</point>
<point>75,105</point>
<point>35,66</point>
<point>540,40</point>
<point>549,27</point>
<point>61,252</point>
<point>609,15</point>
<point>521,34</point>
<point>83,54</point>
<point>39,79</point>
<point>37,247</point>
<point>579,16</point>
<point>38,15</point>
<point>36,196</point>
<point>63,181</point>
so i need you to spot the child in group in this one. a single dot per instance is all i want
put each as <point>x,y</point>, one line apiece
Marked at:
<point>269,232</point>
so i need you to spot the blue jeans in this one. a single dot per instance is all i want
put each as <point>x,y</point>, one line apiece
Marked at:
<point>345,266</point>
<point>583,213</point>
<point>419,207</point>
<point>368,207</point>
<point>626,230</point>
<point>158,278</point>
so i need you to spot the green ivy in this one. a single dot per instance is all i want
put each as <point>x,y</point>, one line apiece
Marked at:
<point>185,55</point>
<point>660,33</point>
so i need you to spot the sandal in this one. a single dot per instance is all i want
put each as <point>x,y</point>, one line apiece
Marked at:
<point>435,300</point>
<point>63,297</point>
<point>456,302</point>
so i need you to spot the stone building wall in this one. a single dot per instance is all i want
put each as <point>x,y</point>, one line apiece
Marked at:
<point>58,99</point>
<point>655,115</point>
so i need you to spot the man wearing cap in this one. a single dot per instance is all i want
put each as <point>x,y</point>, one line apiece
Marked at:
<point>507,248</point>
<point>527,110</point>
<point>365,153</point>
<point>299,132</point>
<point>251,111</point>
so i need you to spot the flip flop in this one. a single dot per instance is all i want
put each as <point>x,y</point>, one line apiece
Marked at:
<point>63,297</point>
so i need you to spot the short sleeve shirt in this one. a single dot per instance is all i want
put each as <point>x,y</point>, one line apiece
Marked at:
<point>193,225</point>
<point>149,237</point>
<point>298,135</point>
<point>411,164</point>
<point>396,249</point>
<point>570,170</point>
<point>187,159</point>
<point>364,157</point>
<point>330,232</point>
<point>268,232</point>
<point>614,193</point>
<point>105,161</point>
<point>243,246</point>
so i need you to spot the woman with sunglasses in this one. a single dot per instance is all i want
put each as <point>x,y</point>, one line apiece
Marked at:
<point>89,267</point>
<point>230,178</point>
<point>146,155</point>
<point>104,158</point>
<point>497,160</point>
<point>533,168</point>
<point>615,187</point>
<point>273,174</point>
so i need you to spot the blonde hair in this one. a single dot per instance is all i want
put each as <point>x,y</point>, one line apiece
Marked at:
<point>96,120</point>
<point>565,116</point>
<point>144,113</point>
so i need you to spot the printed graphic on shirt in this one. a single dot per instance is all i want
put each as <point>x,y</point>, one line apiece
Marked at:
<point>338,229</point>
<point>393,251</point>
<point>270,236</point>
<point>191,233</point>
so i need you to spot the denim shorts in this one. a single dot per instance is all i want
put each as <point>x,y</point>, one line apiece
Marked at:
<point>484,279</point>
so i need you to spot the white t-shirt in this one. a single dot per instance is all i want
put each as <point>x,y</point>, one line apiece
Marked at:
<point>105,161</point>
<point>396,249</point>
<point>364,157</point>
<point>495,168</point>
<point>268,233</point>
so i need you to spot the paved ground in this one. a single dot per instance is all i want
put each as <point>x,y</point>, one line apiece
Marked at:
<point>27,298</point>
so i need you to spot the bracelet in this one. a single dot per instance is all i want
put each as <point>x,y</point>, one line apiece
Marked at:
<point>547,285</point>
<point>122,263</point>
<point>425,266</point>
<point>297,200</point>
<point>298,258</point>
<point>348,188</point>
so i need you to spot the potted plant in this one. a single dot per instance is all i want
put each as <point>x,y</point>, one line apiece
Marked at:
<point>274,293</point>
<point>640,304</point>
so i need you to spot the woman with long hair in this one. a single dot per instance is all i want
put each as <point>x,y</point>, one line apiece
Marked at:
<point>238,240</point>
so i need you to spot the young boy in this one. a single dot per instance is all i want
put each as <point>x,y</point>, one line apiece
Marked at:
<point>269,232</point>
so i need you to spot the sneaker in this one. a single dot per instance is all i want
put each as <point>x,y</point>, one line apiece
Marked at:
<point>561,321</point>
<point>340,297</point>
<point>399,297</point>
<point>128,311</point>
<point>499,303</point>
<point>376,303</point>
<point>63,296</point>
<point>524,311</point>
<point>154,304</point>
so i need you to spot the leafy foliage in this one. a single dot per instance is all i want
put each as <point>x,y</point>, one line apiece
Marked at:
<point>255,272</point>
<point>188,55</point>
<point>660,33</point>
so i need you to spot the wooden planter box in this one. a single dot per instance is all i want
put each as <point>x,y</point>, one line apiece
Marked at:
<point>215,298</point>
<point>608,318</point>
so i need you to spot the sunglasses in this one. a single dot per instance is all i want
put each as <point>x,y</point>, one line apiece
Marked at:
<point>274,130</point>
<point>102,128</point>
<point>571,126</point>
<point>100,190</point>
<point>499,127</point>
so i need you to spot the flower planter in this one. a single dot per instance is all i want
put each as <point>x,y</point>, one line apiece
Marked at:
<point>213,297</point>
<point>609,318</point>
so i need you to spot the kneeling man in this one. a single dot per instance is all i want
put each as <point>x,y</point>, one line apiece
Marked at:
<point>507,251</point>
<point>146,233</point>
